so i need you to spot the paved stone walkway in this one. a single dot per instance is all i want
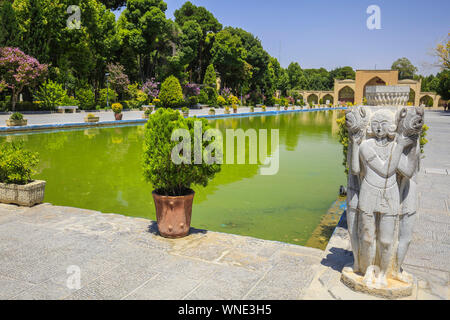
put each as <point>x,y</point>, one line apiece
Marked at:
<point>123,258</point>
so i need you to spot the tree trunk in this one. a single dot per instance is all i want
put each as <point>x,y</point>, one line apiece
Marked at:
<point>14,100</point>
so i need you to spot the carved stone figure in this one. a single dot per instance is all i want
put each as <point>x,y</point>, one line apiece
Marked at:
<point>383,160</point>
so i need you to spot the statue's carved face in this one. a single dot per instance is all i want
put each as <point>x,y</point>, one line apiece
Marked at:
<point>380,128</point>
<point>381,124</point>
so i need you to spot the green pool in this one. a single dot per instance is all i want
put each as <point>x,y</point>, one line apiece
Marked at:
<point>100,169</point>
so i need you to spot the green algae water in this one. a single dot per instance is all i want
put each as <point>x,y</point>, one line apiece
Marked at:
<point>100,169</point>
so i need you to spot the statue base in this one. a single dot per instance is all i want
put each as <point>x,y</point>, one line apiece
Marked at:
<point>396,289</point>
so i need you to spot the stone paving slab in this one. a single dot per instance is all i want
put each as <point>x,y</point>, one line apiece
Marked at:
<point>123,258</point>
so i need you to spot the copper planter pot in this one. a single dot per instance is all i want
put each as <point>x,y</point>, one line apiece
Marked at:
<point>173,215</point>
<point>118,116</point>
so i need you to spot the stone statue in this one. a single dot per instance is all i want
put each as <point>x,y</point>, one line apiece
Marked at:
<point>383,160</point>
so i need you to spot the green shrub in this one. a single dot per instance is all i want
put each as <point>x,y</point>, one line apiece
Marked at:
<point>138,98</point>
<point>171,94</point>
<point>193,101</point>
<point>203,97</point>
<point>270,101</point>
<point>16,116</point>
<point>86,98</point>
<point>112,97</point>
<point>233,100</point>
<point>50,95</point>
<point>221,101</point>
<point>210,79</point>
<point>423,139</point>
<point>168,178</point>
<point>69,101</point>
<point>212,95</point>
<point>16,164</point>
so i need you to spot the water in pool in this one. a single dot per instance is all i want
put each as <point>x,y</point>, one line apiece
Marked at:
<point>100,169</point>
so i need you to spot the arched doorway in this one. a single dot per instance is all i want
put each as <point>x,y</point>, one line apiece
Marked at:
<point>328,97</point>
<point>346,94</point>
<point>313,99</point>
<point>427,101</point>
<point>376,81</point>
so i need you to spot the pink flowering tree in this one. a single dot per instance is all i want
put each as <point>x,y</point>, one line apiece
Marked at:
<point>150,87</point>
<point>18,70</point>
<point>118,78</point>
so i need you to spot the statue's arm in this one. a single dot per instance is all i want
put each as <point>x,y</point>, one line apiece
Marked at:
<point>409,163</point>
<point>355,161</point>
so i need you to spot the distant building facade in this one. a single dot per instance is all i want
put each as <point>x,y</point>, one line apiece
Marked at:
<point>354,90</point>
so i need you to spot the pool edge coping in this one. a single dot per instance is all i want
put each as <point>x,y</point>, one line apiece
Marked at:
<point>77,125</point>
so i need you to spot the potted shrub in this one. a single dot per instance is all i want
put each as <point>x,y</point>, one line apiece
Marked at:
<point>91,118</point>
<point>150,108</point>
<point>212,112</point>
<point>146,114</point>
<point>117,109</point>
<point>227,110</point>
<point>172,182</point>
<point>16,120</point>
<point>264,108</point>
<point>185,112</point>
<point>235,108</point>
<point>16,168</point>
<point>252,109</point>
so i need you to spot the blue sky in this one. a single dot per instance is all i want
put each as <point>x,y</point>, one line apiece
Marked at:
<point>331,33</point>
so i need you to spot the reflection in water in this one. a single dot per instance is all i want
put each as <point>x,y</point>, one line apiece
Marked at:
<point>100,169</point>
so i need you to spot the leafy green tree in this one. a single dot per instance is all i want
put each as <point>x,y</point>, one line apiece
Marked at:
<point>50,94</point>
<point>406,70</point>
<point>103,94</point>
<point>184,61</point>
<point>114,4</point>
<point>257,58</point>
<point>86,98</point>
<point>284,84</point>
<point>209,25</point>
<point>295,74</point>
<point>141,26</point>
<point>443,89</point>
<point>9,28</point>
<point>171,94</point>
<point>229,56</point>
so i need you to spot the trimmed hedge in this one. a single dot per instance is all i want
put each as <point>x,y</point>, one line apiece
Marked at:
<point>171,94</point>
